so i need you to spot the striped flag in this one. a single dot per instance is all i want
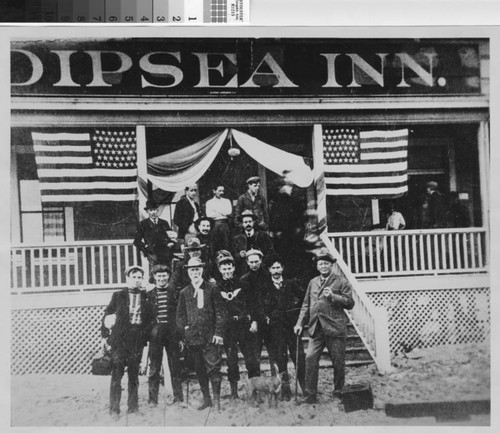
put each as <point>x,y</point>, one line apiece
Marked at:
<point>83,167</point>
<point>367,163</point>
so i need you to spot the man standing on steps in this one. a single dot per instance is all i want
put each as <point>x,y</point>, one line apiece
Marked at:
<point>327,296</point>
<point>241,329</point>
<point>201,318</point>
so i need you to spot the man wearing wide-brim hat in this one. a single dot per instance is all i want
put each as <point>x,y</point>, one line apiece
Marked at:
<point>193,249</point>
<point>201,318</point>
<point>152,238</point>
<point>250,238</point>
<point>254,201</point>
<point>326,298</point>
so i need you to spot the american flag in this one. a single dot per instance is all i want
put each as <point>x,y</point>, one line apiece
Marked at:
<point>368,163</point>
<point>84,167</point>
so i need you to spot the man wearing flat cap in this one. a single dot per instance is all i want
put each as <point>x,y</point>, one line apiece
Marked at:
<point>250,238</point>
<point>252,200</point>
<point>201,319</point>
<point>152,238</point>
<point>241,325</point>
<point>326,298</point>
<point>126,325</point>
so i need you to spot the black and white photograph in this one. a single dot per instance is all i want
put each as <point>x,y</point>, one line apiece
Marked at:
<point>250,228</point>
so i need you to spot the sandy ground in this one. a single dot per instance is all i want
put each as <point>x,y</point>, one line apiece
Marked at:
<point>432,375</point>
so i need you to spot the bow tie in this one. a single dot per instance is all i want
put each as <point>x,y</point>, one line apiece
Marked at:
<point>155,221</point>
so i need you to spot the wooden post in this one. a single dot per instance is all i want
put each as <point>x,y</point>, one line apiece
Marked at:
<point>142,167</point>
<point>484,175</point>
<point>319,178</point>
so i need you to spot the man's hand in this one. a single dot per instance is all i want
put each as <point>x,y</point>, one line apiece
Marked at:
<point>243,253</point>
<point>297,329</point>
<point>181,346</point>
<point>253,327</point>
<point>218,340</point>
<point>327,292</point>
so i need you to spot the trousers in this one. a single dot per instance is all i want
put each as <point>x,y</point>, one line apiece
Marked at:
<point>129,356</point>
<point>162,337</point>
<point>336,350</point>
<point>239,335</point>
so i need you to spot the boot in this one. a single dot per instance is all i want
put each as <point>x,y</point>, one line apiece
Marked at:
<point>234,390</point>
<point>177,390</point>
<point>216,390</point>
<point>207,401</point>
<point>286,392</point>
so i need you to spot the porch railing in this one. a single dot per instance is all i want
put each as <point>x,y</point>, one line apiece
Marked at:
<point>371,322</point>
<point>413,252</point>
<point>71,266</point>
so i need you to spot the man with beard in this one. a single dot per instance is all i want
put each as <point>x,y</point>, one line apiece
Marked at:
<point>241,327</point>
<point>193,249</point>
<point>249,239</point>
<point>282,302</point>
<point>164,334</point>
<point>326,298</point>
<point>201,318</point>
<point>126,324</point>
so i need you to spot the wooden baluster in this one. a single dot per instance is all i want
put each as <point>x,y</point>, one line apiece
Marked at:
<point>400,253</point>
<point>407,252</point>
<point>429,252</point>
<point>393,253</point>
<point>472,242</point>
<point>465,250</point>
<point>356,258</point>
<point>363,254</point>
<point>101,265</point>
<point>93,265</point>
<point>480,250</point>
<point>443,252</point>
<point>348,251</point>
<point>457,250</point>
<point>370,252</point>
<point>450,250</point>
<point>436,251</point>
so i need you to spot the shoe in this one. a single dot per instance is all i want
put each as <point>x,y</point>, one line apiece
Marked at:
<point>177,400</point>
<point>286,392</point>
<point>310,399</point>
<point>115,416</point>
<point>152,404</point>
<point>337,395</point>
<point>207,402</point>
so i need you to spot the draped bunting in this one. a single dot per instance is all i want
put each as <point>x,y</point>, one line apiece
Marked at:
<point>276,160</point>
<point>174,171</point>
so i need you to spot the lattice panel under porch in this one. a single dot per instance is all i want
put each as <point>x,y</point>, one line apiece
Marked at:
<point>426,318</point>
<point>55,340</point>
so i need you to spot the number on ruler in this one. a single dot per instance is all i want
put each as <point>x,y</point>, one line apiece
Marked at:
<point>112,18</point>
<point>144,19</point>
<point>176,18</point>
<point>65,18</point>
<point>129,18</point>
<point>80,18</point>
<point>160,18</point>
<point>99,18</point>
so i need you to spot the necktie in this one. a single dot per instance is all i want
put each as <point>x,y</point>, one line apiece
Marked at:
<point>198,294</point>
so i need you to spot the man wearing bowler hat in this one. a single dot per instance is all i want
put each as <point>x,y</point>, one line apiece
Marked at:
<point>326,298</point>
<point>201,318</point>
<point>252,200</point>
<point>152,238</point>
<point>249,239</point>
<point>126,324</point>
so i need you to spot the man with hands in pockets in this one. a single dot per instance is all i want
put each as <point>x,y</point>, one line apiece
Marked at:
<point>326,298</point>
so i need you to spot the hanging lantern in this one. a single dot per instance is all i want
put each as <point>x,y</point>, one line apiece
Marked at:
<point>232,151</point>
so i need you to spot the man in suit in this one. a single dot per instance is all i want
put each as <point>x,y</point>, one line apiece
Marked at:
<point>252,200</point>
<point>126,324</point>
<point>326,298</point>
<point>187,210</point>
<point>282,302</point>
<point>152,238</point>
<point>249,239</point>
<point>164,334</point>
<point>201,318</point>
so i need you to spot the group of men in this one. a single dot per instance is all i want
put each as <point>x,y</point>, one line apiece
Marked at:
<point>223,300</point>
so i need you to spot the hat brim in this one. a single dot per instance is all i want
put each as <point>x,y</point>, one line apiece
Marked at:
<point>195,248</point>
<point>326,258</point>
<point>201,265</point>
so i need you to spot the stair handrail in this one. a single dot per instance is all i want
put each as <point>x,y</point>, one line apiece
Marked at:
<point>371,322</point>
